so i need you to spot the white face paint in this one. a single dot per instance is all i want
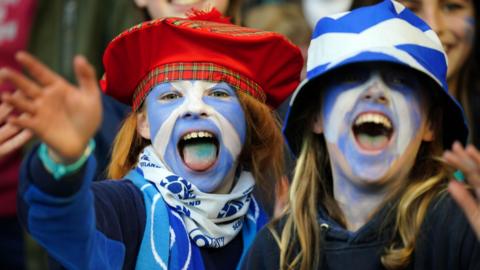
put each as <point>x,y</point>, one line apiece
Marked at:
<point>370,120</point>
<point>198,129</point>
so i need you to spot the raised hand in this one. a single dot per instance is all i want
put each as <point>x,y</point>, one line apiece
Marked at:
<point>468,161</point>
<point>11,136</point>
<point>62,115</point>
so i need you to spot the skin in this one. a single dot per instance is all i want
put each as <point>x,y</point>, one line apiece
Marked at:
<point>62,115</point>
<point>468,161</point>
<point>177,8</point>
<point>454,23</point>
<point>363,178</point>
<point>174,109</point>
<point>11,137</point>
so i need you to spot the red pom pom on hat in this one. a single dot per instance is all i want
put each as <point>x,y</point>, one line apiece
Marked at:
<point>213,16</point>
<point>203,47</point>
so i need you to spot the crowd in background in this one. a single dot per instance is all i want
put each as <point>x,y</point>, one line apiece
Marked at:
<point>55,31</point>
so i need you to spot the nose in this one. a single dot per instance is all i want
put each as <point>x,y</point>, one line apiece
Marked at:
<point>434,18</point>
<point>195,109</point>
<point>376,93</point>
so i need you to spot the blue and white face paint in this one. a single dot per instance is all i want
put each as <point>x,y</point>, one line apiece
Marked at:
<point>370,119</point>
<point>197,129</point>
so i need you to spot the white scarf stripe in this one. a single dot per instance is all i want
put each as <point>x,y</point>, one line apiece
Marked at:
<point>210,219</point>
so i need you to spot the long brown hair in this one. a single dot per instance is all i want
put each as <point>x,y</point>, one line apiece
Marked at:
<point>300,241</point>
<point>262,153</point>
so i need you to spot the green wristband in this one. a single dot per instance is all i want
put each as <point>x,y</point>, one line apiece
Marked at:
<point>58,170</point>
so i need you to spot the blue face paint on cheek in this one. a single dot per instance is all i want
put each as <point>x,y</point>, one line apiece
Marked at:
<point>230,108</point>
<point>161,102</point>
<point>208,112</point>
<point>470,29</point>
<point>363,149</point>
<point>470,21</point>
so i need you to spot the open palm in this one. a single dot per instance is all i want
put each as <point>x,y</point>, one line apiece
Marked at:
<point>468,161</point>
<point>62,115</point>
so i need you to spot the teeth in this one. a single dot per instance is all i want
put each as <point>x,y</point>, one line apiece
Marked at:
<point>373,118</point>
<point>197,134</point>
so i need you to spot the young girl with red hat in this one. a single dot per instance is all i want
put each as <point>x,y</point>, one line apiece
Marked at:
<point>200,136</point>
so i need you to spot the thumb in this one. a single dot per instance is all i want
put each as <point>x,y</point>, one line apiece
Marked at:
<point>85,74</point>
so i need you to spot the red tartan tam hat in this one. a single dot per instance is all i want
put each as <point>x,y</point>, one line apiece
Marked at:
<point>205,47</point>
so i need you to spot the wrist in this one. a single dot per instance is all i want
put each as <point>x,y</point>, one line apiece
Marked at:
<point>59,167</point>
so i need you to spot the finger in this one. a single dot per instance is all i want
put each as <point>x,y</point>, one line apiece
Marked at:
<point>474,154</point>
<point>470,171</point>
<point>85,74</point>
<point>5,110</point>
<point>15,142</point>
<point>23,121</point>
<point>468,164</point>
<point>459,158</point>
<point>466,201</point>
<point>21,82</point>
<point>36,69</point>
<point>453,160</point>
<point>20,102</point>
<point>7,131</point>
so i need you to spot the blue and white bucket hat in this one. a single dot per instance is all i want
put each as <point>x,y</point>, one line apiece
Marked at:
<point>387,32</point>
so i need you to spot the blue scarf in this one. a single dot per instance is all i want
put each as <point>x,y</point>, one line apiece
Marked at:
<point>165,228</point>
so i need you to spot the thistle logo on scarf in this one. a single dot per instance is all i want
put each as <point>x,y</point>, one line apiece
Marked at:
<point>211,220</point>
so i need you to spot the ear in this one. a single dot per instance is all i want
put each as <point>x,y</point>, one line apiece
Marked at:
<point>317,125</point>
<point>428,133</point>
<point>141,3</point>
<point>143,128</point>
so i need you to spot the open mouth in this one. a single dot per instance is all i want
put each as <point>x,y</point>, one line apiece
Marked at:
<point>372,131</point>
<point>198,150</point>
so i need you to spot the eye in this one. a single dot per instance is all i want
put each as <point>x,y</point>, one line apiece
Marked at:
<point>170,96</point>
<point>219,93</point>
<point>399,81</point>
<point>452,6</point>
<point>352,77</point>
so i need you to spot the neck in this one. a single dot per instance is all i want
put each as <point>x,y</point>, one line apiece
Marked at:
<point>358,203</point>
<point>228,182</point>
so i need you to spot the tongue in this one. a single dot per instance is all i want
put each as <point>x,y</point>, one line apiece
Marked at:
<point>369,142</point>
<point>199,156</point>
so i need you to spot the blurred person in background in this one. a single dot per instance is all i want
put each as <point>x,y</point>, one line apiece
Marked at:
<point>314,10</point>
<point>15,28</point>
<point>455,22</point>
<point>155,9</point>
<point>288,20</point>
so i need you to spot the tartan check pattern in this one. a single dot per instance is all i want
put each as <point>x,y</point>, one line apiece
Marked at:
<point>219,28</point>
<point>195,71</point>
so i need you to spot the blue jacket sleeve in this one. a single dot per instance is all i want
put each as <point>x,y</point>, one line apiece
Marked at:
<point>82,225</point>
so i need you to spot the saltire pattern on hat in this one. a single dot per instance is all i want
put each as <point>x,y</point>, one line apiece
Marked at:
<point>386,32</point>
<point>341,38</point>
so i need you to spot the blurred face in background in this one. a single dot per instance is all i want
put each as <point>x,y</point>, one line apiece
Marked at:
<point>454,22</point>
<point>314,10</point>
<point>177,8</point>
